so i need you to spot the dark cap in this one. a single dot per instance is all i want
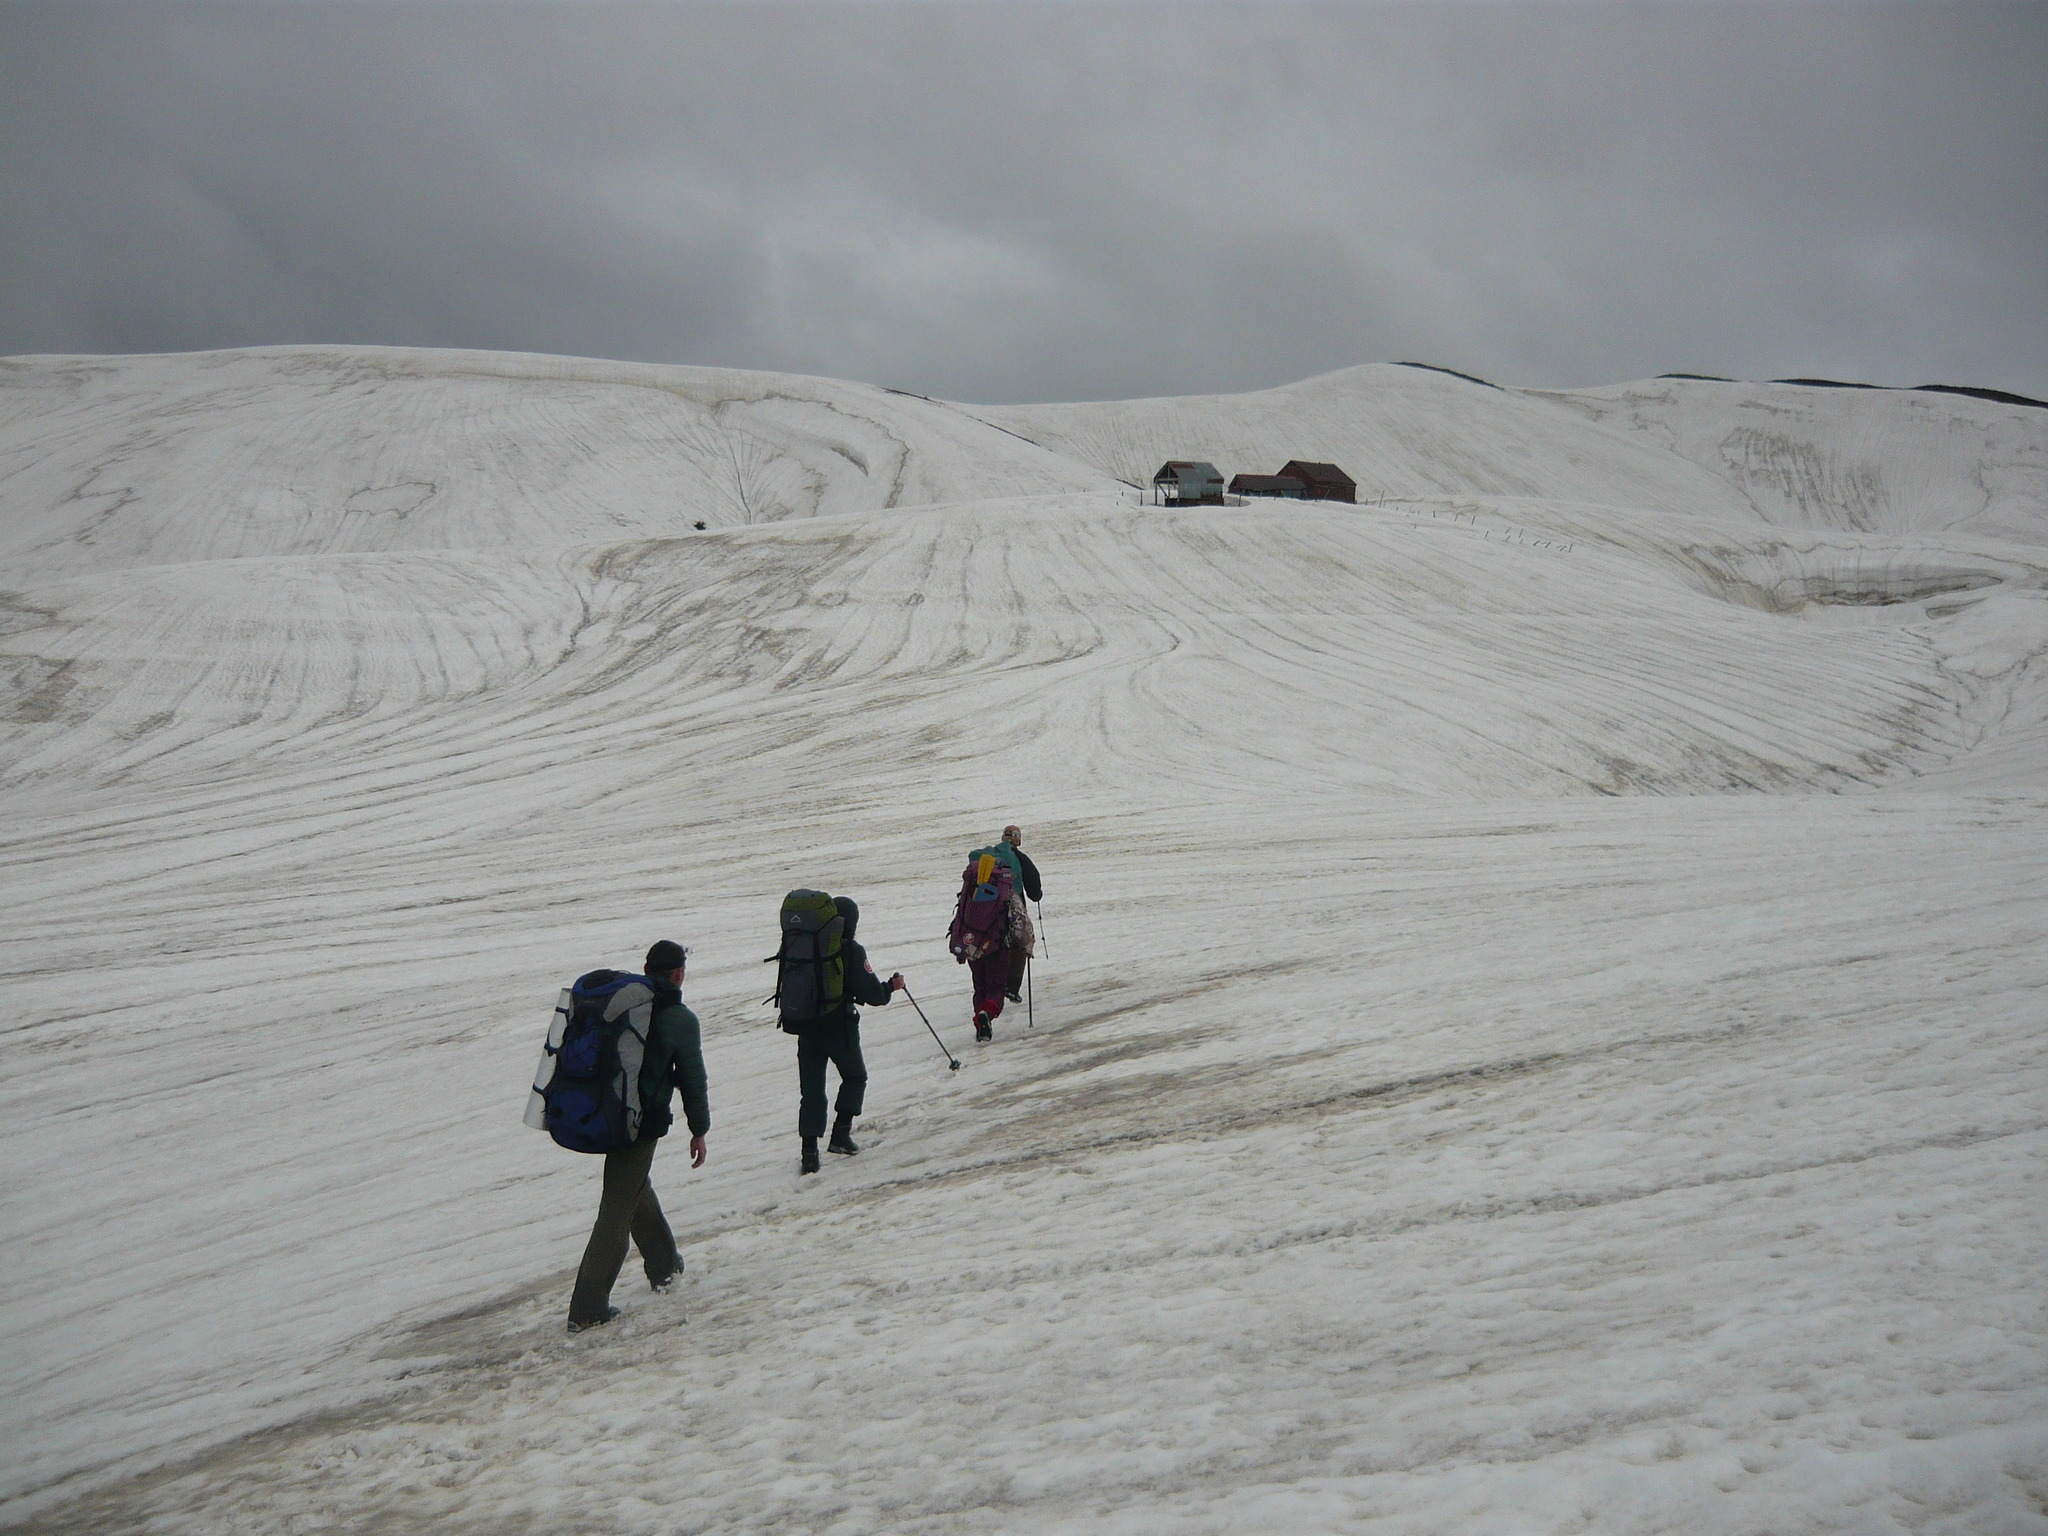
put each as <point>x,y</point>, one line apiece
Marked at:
<point>666,955</point>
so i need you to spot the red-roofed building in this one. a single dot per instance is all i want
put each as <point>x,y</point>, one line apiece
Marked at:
<point>1324,482</point>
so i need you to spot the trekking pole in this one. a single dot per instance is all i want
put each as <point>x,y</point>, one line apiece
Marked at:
<point>1030,1008</point>
<point>951,1060</point>
<point>1041,924</point>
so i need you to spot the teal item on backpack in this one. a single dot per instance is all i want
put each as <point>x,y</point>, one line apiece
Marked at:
<point>1007,857</point>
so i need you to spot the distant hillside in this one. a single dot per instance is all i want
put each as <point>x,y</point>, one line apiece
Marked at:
<point>1398,431</point>
<point>115,462</point>
<point>112,463</point>
<point>1799,457</point>
<point>1895,461</point>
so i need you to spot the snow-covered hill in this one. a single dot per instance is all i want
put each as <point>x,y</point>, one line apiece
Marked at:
<point>1398,431</point>
<point>120,462</point>
<point>1541,1025</point>
<point>1892,461</point>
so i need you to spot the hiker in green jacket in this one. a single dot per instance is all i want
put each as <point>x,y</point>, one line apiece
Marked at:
<point>836,1038</point>
<point>1030,889</point>
<point>628,1207</point>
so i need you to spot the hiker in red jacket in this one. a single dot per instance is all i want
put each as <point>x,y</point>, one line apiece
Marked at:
<point>989,924</point>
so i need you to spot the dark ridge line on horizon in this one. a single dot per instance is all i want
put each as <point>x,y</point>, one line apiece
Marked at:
<point>1439,368</point>
<point>23,360</point>
<point>1974,391</point>
<point>2001,396</point>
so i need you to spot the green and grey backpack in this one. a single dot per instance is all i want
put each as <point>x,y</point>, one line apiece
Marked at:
<point>810,967</point>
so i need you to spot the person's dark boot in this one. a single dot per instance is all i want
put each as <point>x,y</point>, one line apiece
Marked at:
<point>580,1324</point>
<point>810,1163</point>
<point>982,1030</point>
<point>842,1137</point>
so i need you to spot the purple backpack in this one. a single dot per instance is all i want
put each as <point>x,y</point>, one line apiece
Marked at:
<point>981,919</point>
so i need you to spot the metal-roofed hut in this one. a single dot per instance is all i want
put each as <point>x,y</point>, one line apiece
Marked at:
<point>1325,482</point>
<point>1188,482</point>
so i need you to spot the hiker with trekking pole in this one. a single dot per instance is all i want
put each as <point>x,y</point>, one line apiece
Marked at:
<point>820,974</point>
<point>951,1060</point>
<point>991,931</point>
<point>1028,884</point>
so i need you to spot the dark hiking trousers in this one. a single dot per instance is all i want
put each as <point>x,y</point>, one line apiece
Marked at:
<point>838,1043</point>
<point>626,1209</point>
<point>991,980</point>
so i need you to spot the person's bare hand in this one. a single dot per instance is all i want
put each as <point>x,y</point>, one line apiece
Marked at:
<point>696,1151</point>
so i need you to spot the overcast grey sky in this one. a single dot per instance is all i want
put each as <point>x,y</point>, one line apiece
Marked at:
<point>1057,200</point>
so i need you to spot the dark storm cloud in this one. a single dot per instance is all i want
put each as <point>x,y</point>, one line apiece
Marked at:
<point>1048,201</point>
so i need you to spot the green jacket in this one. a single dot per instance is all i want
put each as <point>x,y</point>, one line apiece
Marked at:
<point>675,1060</point>
<point>1023,873</point>
<point>1005,855</point>
<point>862,984</point>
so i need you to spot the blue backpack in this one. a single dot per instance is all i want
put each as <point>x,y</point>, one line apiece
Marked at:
<point>587,1092</point>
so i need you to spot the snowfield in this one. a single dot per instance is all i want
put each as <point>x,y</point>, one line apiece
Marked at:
<point>1545,1000</point>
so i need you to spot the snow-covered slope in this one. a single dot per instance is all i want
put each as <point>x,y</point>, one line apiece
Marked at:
<point>1398,431</point>
<point>1900,461</point>
<point>111,462</point>
<point>1539,1027</point>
